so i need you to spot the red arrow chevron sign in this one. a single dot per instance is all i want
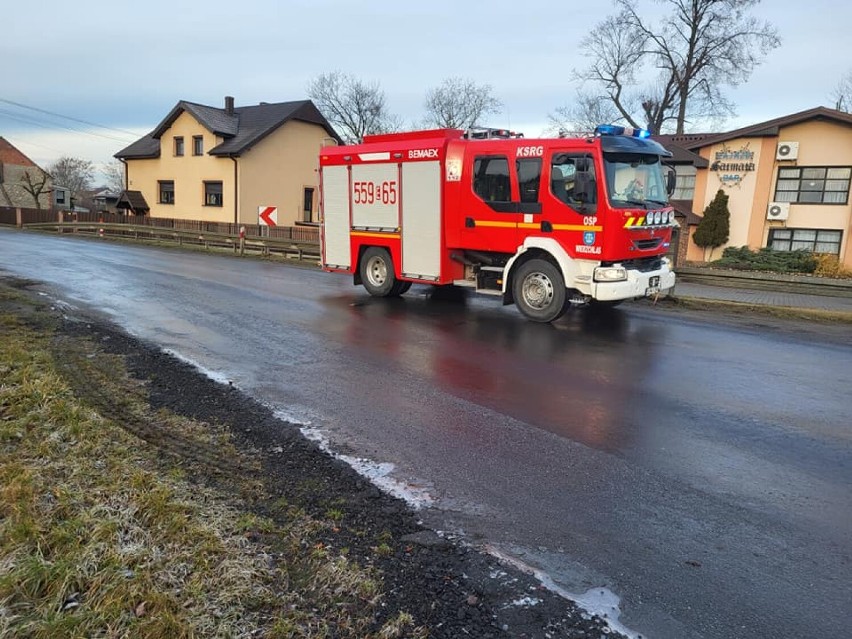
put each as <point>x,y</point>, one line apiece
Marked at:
<point>267,215</point>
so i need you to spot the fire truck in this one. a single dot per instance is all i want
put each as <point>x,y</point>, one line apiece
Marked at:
<point>544,224</point>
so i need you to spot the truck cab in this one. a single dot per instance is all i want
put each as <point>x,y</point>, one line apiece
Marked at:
<point>541,223</point>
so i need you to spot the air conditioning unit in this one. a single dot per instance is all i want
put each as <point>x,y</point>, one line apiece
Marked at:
<point>787,151</point>
<point>778,211</point>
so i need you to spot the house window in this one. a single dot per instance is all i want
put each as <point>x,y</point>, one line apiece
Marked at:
<point>814,240</point>
<point>167,191</point>
<point>60,196</point>
<point>684,183</point>
<point>813,185</point>
<point>197,145</point>
<point>308,206</point>
<point>179,146</point>
<point>212,194</point>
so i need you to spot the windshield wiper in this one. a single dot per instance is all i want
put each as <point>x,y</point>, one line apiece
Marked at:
<point>660,202</point>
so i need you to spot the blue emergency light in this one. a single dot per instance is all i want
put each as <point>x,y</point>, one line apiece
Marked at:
<point>614,129</point>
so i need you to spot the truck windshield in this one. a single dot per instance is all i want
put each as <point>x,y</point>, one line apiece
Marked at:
<point>634,179</point>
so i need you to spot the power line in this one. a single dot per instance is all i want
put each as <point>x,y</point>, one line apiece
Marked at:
<point>30,120</point>
<point>67,117</point>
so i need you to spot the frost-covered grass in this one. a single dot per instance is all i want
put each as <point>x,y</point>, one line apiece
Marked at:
<point>102,536</point>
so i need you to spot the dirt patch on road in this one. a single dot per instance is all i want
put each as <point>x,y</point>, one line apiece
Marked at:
<point>230,446</point>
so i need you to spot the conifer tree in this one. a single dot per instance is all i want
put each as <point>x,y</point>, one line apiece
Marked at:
<point>715,228</point>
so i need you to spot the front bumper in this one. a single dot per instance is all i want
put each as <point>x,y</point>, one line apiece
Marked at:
<point>637,284</point>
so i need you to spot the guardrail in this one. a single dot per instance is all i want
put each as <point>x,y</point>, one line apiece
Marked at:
<point>293,249</point>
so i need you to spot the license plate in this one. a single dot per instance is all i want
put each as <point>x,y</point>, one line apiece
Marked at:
<point>654,282</point>
<point>652,290</point>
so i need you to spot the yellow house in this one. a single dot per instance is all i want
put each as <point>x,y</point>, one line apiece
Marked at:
<point>787,181</point>
<point>229,164</point>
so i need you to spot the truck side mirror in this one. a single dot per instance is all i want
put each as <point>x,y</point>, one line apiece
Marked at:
<point>671,180</point>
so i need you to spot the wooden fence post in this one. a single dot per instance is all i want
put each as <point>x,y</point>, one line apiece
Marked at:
<point>19,221</point>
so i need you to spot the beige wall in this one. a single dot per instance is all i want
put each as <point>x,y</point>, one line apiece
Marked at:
<point>820,144</point>
<point>273,173</point>
<point>188,172</point>
<point>278,169</point>
<point>741,195</point>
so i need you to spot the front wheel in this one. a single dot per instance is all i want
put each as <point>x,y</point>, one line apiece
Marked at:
<point>377,273</point>
<point>539,291</point>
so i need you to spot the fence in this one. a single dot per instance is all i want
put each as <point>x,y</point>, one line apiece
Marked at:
<point>24,217</point>
<point>296,233</point>
<point>12,216</point>
<point>300,242</point>
<point>299,249</point>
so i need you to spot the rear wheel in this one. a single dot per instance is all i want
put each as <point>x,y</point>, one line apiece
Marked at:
<point>377,273</point>
<point>399,288</point>
<point>539,291</point>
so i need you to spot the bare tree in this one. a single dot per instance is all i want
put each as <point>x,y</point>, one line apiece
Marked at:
<point>842,95</point>
<point>356,108</point>
<point>459,103</point>
<point>583,115</point>
<point>700,47</point>
<point>114,174</point>
<point>35,183</point>
<point>75,174</point>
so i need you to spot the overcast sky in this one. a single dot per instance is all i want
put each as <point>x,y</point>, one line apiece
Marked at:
<point>124,65</point>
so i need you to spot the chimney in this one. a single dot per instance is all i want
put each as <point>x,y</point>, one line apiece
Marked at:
<point>229,105</point>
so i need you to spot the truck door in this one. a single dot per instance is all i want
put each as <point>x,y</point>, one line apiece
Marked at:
<point>571,204</point>
<point>491,213</point>
<point>528,171</point>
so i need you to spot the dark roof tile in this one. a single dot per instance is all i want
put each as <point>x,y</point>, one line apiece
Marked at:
<point>681,155</point>
<point>242,130</point>
<point>256,122</point>
<point>134,200</point>
<point>145,147</point>
<point>772,127</point>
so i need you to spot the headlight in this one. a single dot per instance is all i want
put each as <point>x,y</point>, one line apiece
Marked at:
<point>610,274</point>
<point>671,217</point>
<point>657,217</point>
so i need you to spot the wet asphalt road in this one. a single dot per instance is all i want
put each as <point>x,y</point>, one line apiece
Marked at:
<point>700,470</point>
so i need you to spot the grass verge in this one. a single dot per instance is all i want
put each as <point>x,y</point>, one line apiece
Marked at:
<point>102,533</point>
<point>741,308</point>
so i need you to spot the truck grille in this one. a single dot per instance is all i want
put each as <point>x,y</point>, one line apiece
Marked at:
<point>644,264</point>
<point>647,245</point>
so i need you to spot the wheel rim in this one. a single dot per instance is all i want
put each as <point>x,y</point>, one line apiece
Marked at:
<point>537,291</point>
<point>377,271</point>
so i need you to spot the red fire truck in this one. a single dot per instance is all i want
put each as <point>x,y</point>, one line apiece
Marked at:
<point>542,223</point>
